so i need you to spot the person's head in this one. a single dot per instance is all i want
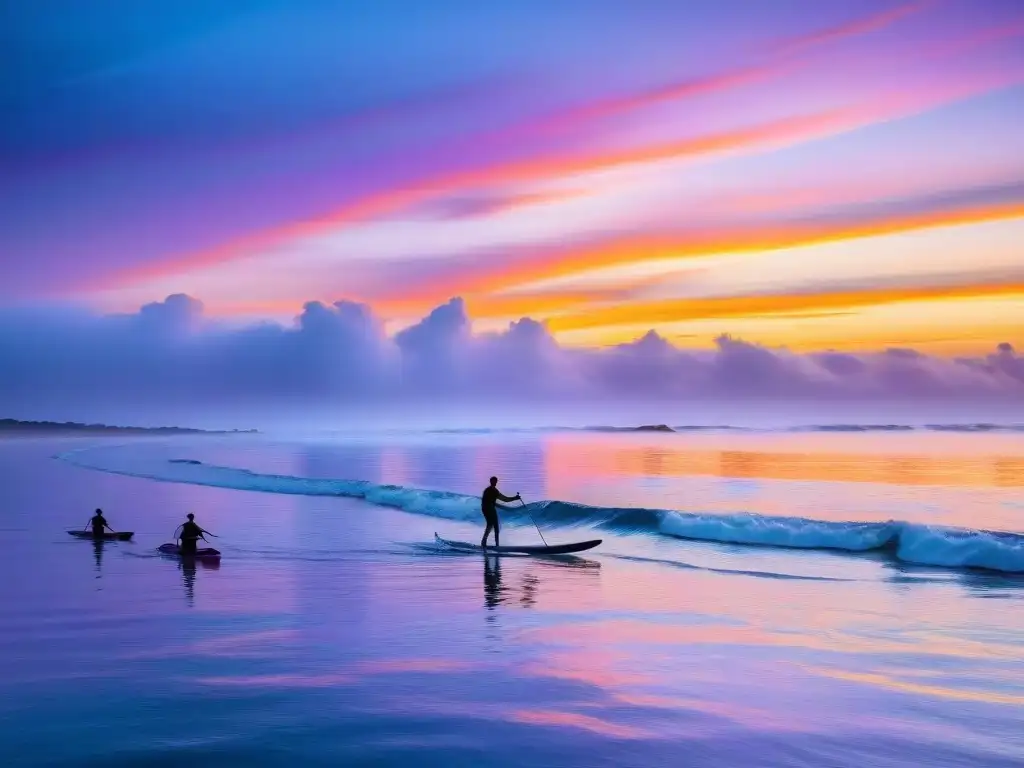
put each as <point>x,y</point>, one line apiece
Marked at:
<point>190,516</point>
<point>494,481</point>
<point>99,512</point>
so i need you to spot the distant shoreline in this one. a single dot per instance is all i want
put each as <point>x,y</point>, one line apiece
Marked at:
<point>18,428</point>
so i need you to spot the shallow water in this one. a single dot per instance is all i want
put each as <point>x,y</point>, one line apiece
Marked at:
<point>335,631</point>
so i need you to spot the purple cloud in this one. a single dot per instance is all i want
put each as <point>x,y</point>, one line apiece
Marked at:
<point>170,353</point>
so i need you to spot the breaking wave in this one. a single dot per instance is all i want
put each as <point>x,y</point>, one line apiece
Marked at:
<point>910,542</point>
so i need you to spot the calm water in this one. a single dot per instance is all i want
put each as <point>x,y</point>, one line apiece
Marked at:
<point>336,632</point>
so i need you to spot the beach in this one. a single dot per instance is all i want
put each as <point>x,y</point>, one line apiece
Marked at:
<point>840,597</point>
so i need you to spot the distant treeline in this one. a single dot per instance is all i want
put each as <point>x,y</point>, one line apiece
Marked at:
<point>74,427</point>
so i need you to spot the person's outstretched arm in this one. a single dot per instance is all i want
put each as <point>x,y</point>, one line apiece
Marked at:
<point>503,497</point>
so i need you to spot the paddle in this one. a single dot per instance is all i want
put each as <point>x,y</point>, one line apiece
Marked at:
<point>201,535</point>
<point>523,503</point>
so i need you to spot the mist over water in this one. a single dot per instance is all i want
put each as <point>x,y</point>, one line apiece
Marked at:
<point>298,418</point>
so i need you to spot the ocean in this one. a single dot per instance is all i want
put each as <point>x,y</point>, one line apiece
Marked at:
<point>836,595</point>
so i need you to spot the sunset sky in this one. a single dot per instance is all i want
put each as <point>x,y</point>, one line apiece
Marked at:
<point>841,174</point>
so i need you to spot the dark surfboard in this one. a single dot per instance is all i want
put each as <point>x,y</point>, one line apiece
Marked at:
<point>554,549</point>
<point>105,536</point>
<point>206,553</point>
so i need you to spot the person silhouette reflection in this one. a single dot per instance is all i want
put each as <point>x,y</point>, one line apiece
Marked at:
<point>188,577</point>
<point>97,551</point>
<point>492,581</point>
<point>528,596</point>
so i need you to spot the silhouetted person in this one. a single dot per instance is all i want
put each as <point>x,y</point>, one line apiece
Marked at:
<point>98,523</point>
<point>489,508</point>
<point>190,535</point>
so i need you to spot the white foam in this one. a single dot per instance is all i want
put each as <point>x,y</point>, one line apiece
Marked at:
<point>923,545</point>
<point>779,531</point>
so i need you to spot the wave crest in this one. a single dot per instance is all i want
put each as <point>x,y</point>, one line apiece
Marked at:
<point>919,544</point>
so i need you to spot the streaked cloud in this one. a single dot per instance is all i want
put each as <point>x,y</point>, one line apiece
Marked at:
<point>822,166</point>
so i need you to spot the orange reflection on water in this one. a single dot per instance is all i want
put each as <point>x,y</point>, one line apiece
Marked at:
<point>885,681</point>
<point>801,459</point>
<point>603,668</point>
<point>590,665</point>
<point>629,632</point>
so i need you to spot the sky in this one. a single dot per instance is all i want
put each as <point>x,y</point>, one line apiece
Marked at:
<point>804,178</point>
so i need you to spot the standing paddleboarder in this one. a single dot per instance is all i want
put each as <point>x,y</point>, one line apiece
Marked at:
<point>489,508</point>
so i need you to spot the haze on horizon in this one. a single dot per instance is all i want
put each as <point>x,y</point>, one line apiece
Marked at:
<point>268,204</point>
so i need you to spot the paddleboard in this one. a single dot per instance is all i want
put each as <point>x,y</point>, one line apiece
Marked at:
<point>106,535</point>
<point>555,549</point>
<point>205,553</point>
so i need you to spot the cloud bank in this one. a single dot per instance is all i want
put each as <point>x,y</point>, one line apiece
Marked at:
<point>169,352</point>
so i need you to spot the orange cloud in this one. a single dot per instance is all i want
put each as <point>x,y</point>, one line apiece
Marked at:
<point>546,167</point>
<point>782,132</point>
<point>659,312</point>
<point>548,265</point>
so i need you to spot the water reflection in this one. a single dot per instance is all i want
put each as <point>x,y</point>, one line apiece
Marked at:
<point>188,567</point>
<point>188,577</point>
<point>801,458</point>
<point>528,594</point>
<point>530,571</point>
<point>931,479</point>
<point>492,581</point>
<point>97,551</point>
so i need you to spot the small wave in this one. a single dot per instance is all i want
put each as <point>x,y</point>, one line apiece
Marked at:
<point>909,542</point>
<point>185,461</point>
